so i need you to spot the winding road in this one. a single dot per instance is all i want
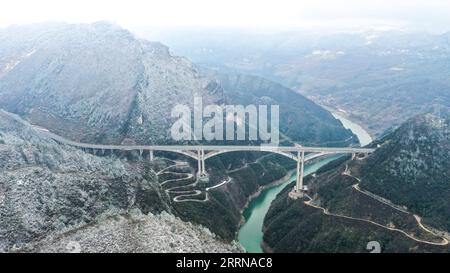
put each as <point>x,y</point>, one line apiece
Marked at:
<point>185,193</point>
<point>382,200</point>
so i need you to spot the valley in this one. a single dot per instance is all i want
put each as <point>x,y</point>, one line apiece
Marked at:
<point>128,109</point>
<point>251,232</point>
<point>88,162</point>
<point>342,191</point>
<point>380,78</point>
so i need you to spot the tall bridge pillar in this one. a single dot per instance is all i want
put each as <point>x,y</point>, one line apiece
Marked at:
<point>152,156</point>
<point>199,161</point>
<point>298,189</point>
<point>203,164</point>
<point>202,175</point>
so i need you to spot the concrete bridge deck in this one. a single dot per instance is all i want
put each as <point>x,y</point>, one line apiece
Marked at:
<point>203,152</point>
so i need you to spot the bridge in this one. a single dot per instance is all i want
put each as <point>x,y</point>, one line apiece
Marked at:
<point>201,153</point>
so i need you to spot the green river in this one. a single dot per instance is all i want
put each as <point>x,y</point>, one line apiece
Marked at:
<point>251,235</point>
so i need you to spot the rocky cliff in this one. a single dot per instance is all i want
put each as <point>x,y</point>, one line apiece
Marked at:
<point>52,196</point>
<point>99,83</point>
<point>397,196</point>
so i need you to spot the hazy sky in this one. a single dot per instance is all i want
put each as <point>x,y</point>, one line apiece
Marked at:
<point>230,13</point>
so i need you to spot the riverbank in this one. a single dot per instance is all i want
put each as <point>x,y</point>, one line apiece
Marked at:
<point>250,234</point>
<point>356,125</point>
<point>363,136</point>
<point>257,194</point>
<point>272,184</point>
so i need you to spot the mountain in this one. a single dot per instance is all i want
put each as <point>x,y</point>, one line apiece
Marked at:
<point>52,195</point>
<point>412,167</point>
<point>397,196</point>
<point>94,82</point>
<point>99,83</point>
<point>301,120</point>
<point>135,232</point>
<point>378,78</point>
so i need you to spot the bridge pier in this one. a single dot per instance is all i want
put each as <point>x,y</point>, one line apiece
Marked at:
<point>202,175</point>
<point>298,189</point>
<point>199,161</point>
<point>203,164</point>
<point>152,156</point>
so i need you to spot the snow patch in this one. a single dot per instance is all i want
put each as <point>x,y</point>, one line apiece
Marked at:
<point>326,54</point>
<point>12,64</point>
<point>396,69</point>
